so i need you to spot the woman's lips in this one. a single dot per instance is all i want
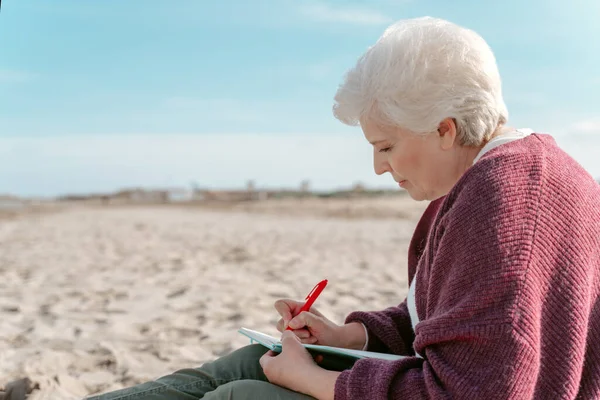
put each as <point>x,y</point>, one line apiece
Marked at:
<point>402,183</point>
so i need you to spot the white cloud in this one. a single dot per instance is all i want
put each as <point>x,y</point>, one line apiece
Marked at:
<point>15,76</point>
<point>101,163</point>
<point>352,15</point>
<point>583,130</point>
<point>581,140</point>
<point>588,126</point>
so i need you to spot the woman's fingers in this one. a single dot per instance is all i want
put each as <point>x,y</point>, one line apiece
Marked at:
<point>280,325</point>
<point>306,319</point>
<point>302,333</point>
<point>284,307</point>
<point>310,340</point>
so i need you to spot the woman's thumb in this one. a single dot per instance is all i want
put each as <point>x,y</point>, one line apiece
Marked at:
<point>287,317</point>
<point>288,338</point>
<point>303,319</point>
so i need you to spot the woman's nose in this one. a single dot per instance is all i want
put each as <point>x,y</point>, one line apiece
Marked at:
<point>381,167</point>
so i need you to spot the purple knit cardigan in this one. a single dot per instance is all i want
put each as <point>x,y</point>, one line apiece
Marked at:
<point>508,290</point>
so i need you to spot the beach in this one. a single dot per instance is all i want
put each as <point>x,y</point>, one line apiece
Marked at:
<point>98,298</point>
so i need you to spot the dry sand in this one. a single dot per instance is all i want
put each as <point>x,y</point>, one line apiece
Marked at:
<point>95,299</point>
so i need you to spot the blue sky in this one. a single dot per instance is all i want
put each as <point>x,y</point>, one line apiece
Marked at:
<point>98,95</point>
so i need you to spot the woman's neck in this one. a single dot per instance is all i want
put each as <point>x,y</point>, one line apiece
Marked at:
<point>501,130</point>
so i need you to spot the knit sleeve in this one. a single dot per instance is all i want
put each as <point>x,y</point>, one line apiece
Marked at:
<point>388,331</point>
<point>484,363</point>
<point>471,340</point>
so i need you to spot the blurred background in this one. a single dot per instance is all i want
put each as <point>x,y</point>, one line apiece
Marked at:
<point>165,164</point>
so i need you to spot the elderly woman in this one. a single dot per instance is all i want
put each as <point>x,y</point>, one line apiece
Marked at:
<point>504,265</point>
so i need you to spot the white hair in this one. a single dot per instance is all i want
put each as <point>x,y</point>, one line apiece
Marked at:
<point>420,72</point>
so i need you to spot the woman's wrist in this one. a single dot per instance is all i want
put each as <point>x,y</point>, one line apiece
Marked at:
<point>353,336</point>
<point>322,384</point>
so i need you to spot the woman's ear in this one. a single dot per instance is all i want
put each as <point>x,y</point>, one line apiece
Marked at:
<point>447,133</point>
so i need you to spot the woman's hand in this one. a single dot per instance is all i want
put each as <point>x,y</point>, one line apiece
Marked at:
<point>312,327</point>
<point>295,369</point>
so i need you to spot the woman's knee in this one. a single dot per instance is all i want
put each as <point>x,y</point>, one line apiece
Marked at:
<point>247,355</point>
<point>251,389</point>
<point>239,364</point>
<point>251,351</point>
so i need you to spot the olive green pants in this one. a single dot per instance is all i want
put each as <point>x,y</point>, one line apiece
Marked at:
<point>236,376</point>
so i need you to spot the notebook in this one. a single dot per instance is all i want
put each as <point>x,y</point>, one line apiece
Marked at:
<point>274,344</point>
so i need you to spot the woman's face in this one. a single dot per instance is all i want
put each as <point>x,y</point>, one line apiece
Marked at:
<point>427,166</point>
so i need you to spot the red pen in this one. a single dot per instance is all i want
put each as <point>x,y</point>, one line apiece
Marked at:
<point>312,296</point>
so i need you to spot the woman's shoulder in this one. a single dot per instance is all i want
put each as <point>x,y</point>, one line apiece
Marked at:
<point>522,177</point>
<point>534,162</point>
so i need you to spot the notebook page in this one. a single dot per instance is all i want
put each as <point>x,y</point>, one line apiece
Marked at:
<point>354,353</point>
<point>264,339</point>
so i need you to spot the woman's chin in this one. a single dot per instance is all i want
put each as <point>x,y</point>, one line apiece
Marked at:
<point>416,195</point>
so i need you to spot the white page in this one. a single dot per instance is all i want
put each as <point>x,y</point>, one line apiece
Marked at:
<point>354,353</point>
<point>264,339</point>
<point>275,344</point>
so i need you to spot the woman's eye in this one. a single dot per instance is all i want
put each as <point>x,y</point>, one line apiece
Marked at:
<point>385,149</point>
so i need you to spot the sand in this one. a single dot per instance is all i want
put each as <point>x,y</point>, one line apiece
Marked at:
<point>96,299</point>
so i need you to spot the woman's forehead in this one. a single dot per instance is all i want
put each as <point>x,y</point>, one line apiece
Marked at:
<point>375,133</point>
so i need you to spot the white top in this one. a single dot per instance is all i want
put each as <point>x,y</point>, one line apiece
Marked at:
<point>492,144</point>
<point>503,139</point>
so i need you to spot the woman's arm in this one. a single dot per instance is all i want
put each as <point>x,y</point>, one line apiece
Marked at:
<point>389,330</point>
<point>322,384</point>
